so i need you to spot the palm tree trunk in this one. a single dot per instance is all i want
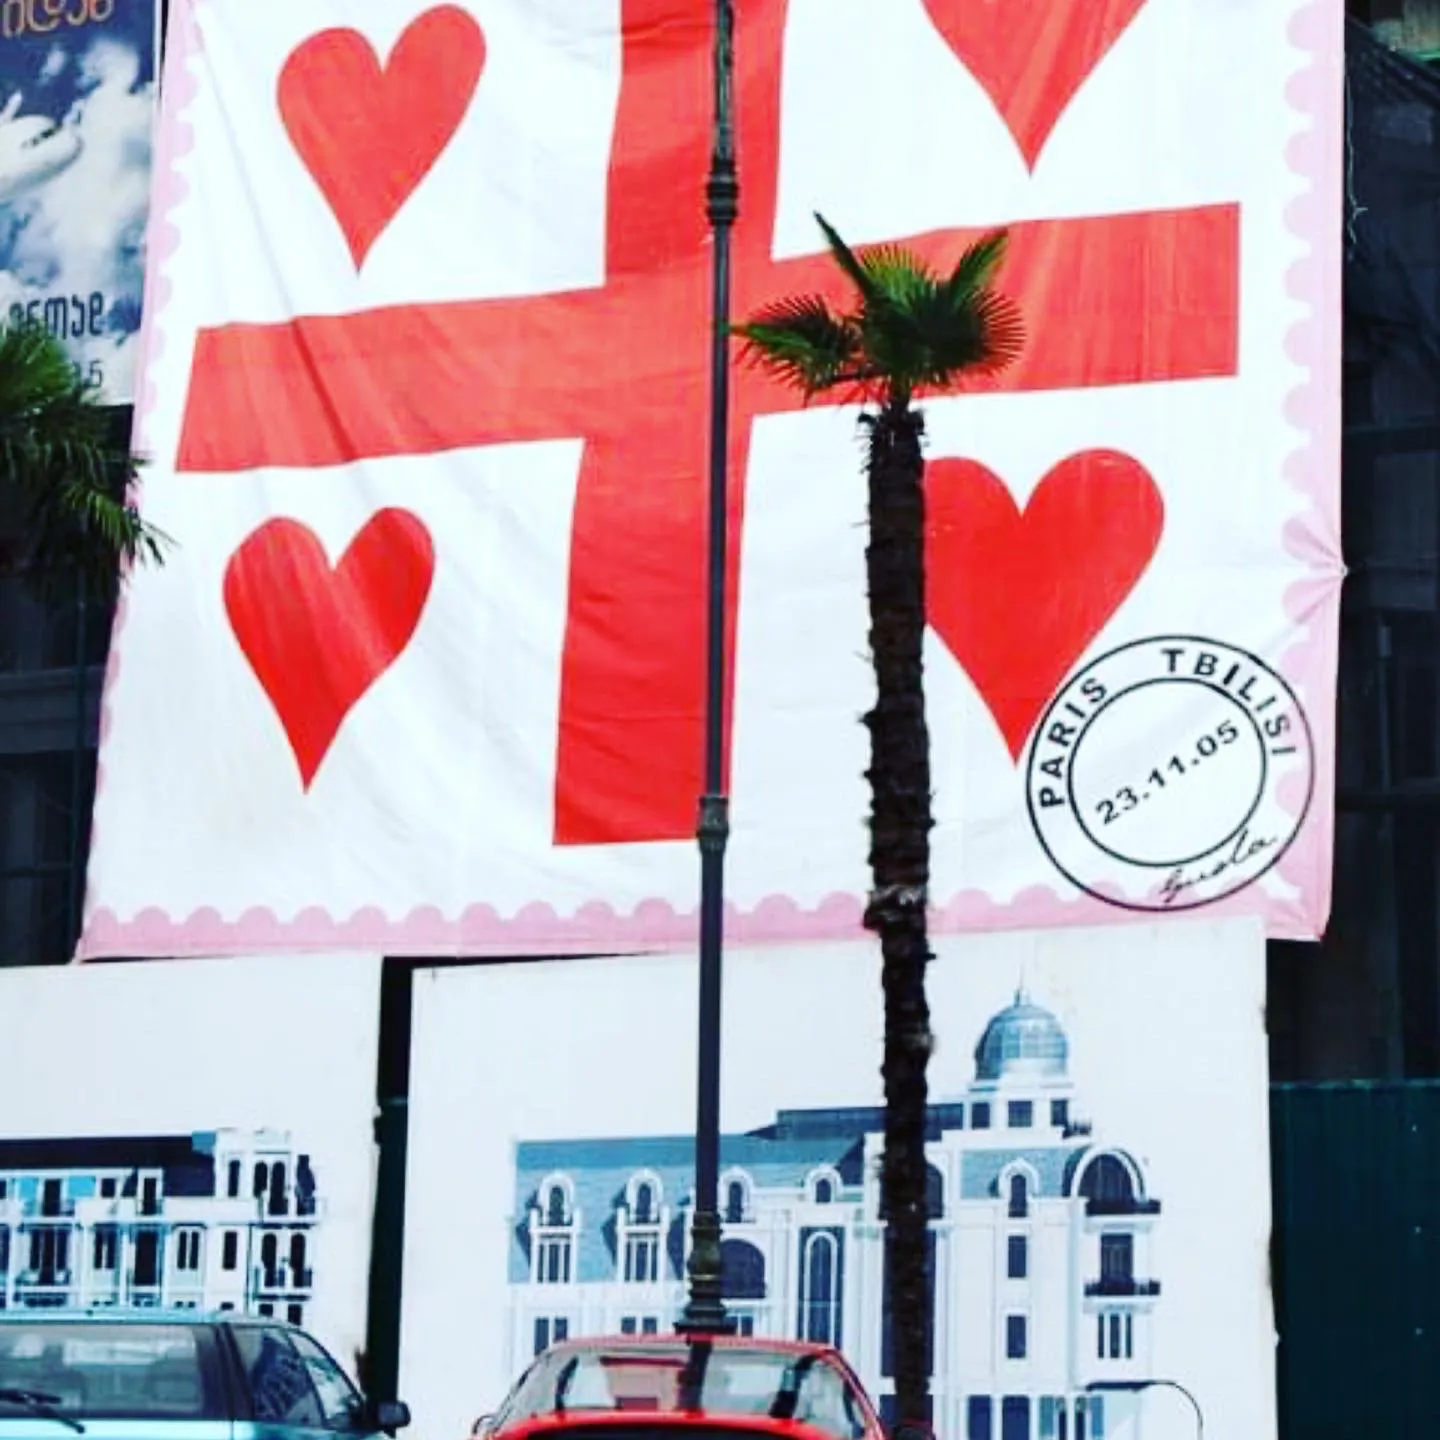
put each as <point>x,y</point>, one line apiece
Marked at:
<point>900,823</point>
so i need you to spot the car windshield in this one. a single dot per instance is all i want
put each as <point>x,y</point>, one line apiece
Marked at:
<point>93,1370</point>
<point>713,1379</point>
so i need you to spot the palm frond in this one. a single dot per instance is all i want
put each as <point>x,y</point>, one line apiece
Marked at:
<point>912,327</point>
<point>848,261</point>
<point>63,462</point>
<point>802,342</point>
<point>980,263</point>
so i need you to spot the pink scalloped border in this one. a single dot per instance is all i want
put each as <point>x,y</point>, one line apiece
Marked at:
<point>1315,93</point>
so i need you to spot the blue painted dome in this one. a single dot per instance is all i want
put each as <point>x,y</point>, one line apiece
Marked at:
<point>1024,1041</point>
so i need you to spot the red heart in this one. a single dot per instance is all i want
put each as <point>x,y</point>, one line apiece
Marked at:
<point>318,638</point>
<point>1017,595</point>
<point>369,136</point>
<point>1031,56</point>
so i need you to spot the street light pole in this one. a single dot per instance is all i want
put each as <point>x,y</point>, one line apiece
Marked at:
<point>1136,1386</point>
<point>705,1309</point>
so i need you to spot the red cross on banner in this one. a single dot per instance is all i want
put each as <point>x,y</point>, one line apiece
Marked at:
<point>1108,300</point>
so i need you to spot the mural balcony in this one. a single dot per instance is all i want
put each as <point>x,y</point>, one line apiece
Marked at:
<point>1122,1287</point>
<point>1121,1205</point>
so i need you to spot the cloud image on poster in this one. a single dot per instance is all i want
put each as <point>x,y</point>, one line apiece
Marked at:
<point>76,111</point>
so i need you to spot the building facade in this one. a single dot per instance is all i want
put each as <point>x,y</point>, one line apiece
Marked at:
<point>1041,1237</point>
<point>223,1220</point>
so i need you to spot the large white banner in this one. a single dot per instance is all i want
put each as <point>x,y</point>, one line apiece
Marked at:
<point>426,405</point>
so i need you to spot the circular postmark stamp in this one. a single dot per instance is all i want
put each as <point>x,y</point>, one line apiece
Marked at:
<point>1169,773</point>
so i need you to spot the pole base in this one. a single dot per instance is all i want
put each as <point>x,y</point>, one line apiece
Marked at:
<point>705,1312</point>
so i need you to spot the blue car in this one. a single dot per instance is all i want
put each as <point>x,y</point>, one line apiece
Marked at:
<point>166,1376</point>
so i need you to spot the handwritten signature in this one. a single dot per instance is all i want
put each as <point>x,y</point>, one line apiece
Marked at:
<point>1177,882</point>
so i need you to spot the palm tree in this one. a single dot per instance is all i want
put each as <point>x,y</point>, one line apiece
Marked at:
<point>911,329</point>
<point>64,474</point>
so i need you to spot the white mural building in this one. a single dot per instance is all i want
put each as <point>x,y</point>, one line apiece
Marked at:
<point>1042,1235</point>
<point>222,1220</point>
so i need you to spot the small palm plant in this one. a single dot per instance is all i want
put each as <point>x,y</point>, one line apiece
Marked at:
<point>63,476</point>
<point>910,329</point>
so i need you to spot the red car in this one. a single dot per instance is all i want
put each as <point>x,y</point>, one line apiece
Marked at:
<point>681,1387</point>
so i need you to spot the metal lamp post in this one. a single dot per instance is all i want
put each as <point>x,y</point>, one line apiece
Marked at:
<point>1134,1387</point>
<point>705,1310</point>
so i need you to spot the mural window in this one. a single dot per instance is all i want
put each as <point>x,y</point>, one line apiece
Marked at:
<point>642,1257</point>
<point>553,1240</point>
<point>557,1205</point>
<point>1015,1337</point>
<point>550,1330</point>
<point>823,1186</point>
<point>278,1202</point>
<point>104,1247</point>
<point>145,1270</point>
<point>1017,1257</point>
<point>1107,1184</point>
<point>820,1288</point>
<point>642,1210</point>
<point>304,1187</point>
<point>1020,1114</point>
<point>552,1263</point>
<point>742,1271</point>
<point>980,1115</point>
<point>229,1250</point>
<point>978,1412</point>
<point>1019,1197</point>
<point>187,1250</point>
<point>1117,1259</point>
<point>1015,1417</point>
<point>736,1206</point>
<point>1053,1417</point>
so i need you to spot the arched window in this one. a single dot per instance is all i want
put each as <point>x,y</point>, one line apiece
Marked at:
<point>735,1202</point>
<point>297,1260</point>
<point>262,1179</point>
<point>820,1288</point>
<point>557,1205</point>
<point>277,1190</point>
<point>642,1212</point>
<point>1108,1185</point>
<point>269,1254</point>
<point>552,1241</point>
<point>742,1271</point>
<point>1019,1197</point>
<point>824,1186</point>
